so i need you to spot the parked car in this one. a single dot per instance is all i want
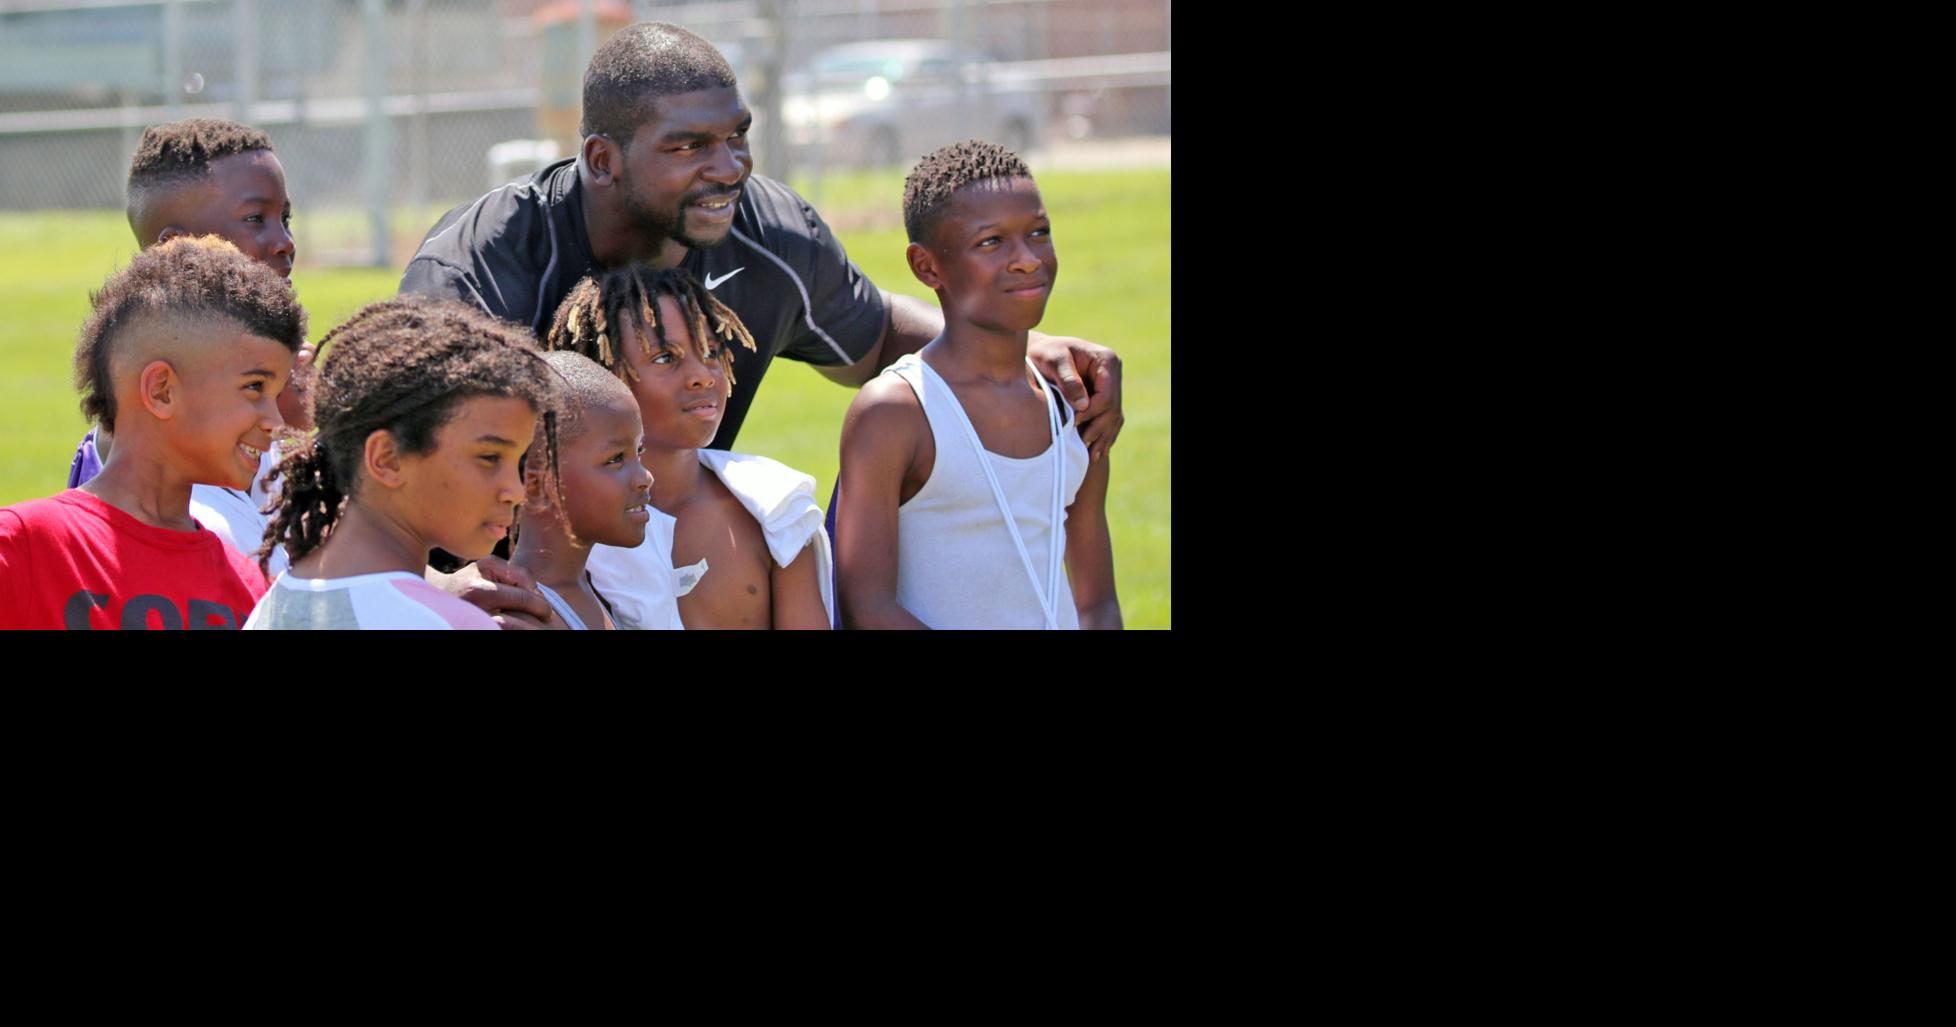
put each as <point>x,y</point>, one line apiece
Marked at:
<point>890,101</point>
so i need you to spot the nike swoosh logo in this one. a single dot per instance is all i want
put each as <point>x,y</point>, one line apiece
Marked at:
<point>712,281</point>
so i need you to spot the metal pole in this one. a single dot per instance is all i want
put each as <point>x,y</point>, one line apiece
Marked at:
<point>374,23</point>
<point>173,58</point>
<point>960,36</point>
<point>587,34</point>
<point>418,152</point>
<point>247,49</point>
<point>774,141</point>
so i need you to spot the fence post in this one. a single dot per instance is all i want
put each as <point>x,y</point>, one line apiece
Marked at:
<point>173,58</point>
<point>246,40</point>
<point>587,34</point>
<point>374,24</point>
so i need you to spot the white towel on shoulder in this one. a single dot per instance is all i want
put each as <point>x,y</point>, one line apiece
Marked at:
<point>644,587</point>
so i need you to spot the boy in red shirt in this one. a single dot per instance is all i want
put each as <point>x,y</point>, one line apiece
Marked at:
<point>183,358</point>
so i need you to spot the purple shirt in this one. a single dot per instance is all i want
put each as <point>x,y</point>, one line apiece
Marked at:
<point>86,464</point>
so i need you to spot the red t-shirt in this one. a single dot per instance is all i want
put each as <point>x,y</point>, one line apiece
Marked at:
<point>73,561</point>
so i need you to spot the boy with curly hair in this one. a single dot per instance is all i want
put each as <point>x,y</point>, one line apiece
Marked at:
<point>210,176</point>
<point>426,410</point>
<point>183,357</point>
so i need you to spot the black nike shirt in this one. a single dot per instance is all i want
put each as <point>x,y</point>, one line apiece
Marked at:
<point>517,252</point>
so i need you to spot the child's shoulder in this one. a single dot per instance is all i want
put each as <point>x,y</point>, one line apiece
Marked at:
<point>452,612</point>
<point>393,599</point>
<point>61,513</point>
<point>779,498</point>
<point>891,396</point>
<point>755,473</point>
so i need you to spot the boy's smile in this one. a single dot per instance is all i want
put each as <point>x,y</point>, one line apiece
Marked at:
<point>231,401</point>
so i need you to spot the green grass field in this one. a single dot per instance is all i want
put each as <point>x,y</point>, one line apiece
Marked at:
<point>1110,229</point>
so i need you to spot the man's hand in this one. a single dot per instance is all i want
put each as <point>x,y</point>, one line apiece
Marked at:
<point>502,590</point>
<point>292,402</point>
<point>1097,399</point>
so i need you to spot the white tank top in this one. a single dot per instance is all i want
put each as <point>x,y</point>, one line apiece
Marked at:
<point>957,565</point>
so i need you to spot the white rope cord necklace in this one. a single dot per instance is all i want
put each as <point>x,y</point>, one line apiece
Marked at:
<point>1048,597</point>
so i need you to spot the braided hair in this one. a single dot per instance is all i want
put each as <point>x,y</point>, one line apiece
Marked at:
<point>402,365</point>
<point>587,321</point>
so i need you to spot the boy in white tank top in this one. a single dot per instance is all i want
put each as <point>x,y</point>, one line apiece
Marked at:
<point>964,484</point>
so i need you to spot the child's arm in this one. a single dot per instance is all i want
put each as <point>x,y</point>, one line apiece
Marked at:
<point>878,443</point>
<point>796,591</point>
<point>1090,553</point>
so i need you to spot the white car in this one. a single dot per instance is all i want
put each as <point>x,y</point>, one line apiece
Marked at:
<point>891,101</point>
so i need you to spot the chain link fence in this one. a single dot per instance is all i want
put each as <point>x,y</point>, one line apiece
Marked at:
<point>385,112</point>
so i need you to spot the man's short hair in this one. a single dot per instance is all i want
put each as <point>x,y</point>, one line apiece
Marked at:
<point>178,151</point>
<point>640,63</point>
<point>185,280</point>
<point>945,170</point>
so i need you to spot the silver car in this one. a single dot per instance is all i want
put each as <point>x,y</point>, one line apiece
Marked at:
<point>890,101</point>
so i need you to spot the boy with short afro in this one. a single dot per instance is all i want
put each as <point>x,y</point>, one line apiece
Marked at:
<point>210,176</point>
<point>964,480</point>
<point>183,357</point>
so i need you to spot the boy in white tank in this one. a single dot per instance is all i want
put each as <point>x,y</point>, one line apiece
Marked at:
<point>964,484</point>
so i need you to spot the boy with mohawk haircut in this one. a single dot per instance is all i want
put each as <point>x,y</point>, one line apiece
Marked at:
<point>183,357</point>
<point>735,540</point>
<point>209,176</point>
<point>958,461</point>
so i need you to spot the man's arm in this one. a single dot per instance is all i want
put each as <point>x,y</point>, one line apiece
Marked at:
<point>429,277</point>
<point>500,589</point>
<point>908,324</point>
<point>1090,553</point>
<point>878,443</point>
<point>796,591</point>
<point>1089,375</point>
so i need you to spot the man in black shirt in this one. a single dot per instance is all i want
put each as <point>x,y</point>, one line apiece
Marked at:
<point>664,177</point>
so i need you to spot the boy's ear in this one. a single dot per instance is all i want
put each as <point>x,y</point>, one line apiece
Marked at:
<point>599,152</point>
<point>923,265</point>
<point>170,232</point>
<point>382,458</point>
<point>159,388</point>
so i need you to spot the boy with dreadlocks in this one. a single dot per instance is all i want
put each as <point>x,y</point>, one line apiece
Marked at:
<point>600,493</point>
<point>736,540</point>
<point>183,357</point>
<point>209,176</point>
<point>425,408</point>
<point>958,460</point>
